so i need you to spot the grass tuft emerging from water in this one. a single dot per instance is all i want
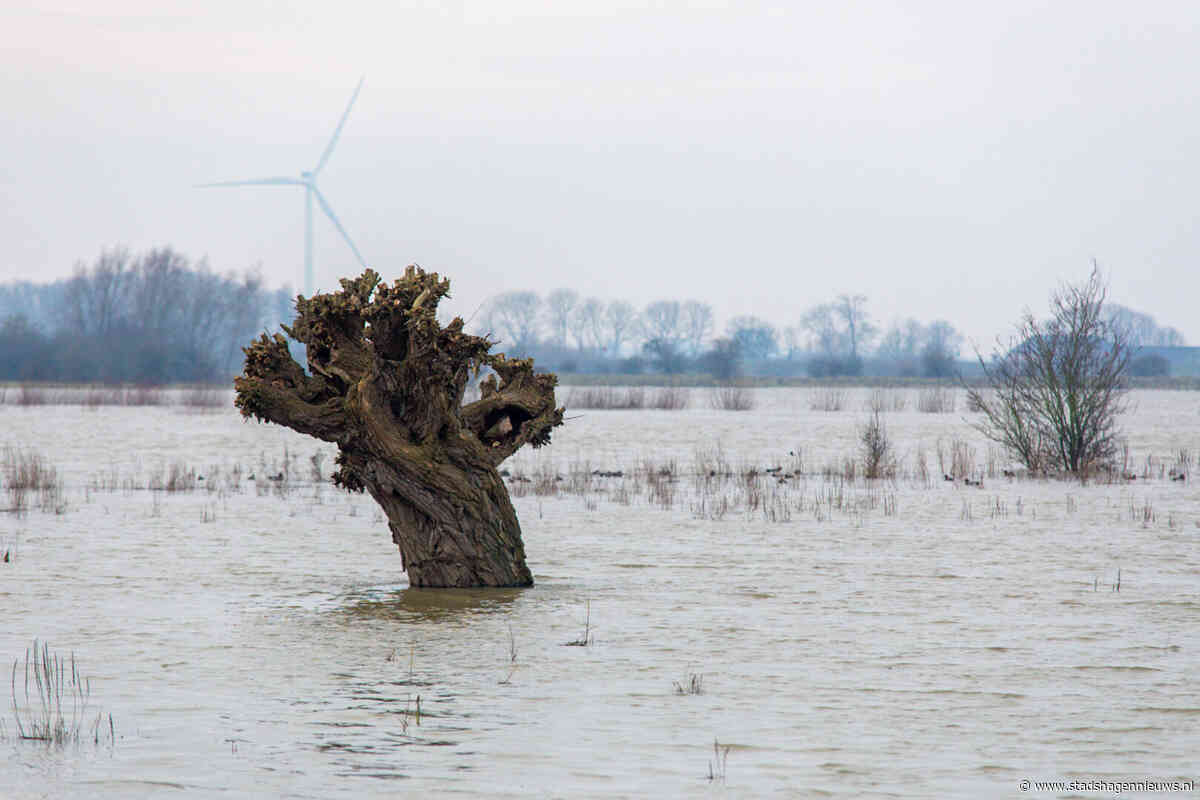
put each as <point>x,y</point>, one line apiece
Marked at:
<point>720,759</point>
<point>53,708</point>
<point>586,639</point>
<point>25,472</point>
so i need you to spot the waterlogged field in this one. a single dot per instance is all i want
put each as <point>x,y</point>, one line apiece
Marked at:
<point>751,616</point>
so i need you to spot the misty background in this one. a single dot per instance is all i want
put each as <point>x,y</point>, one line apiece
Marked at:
<point>948,162</point>
<point>159,317</point>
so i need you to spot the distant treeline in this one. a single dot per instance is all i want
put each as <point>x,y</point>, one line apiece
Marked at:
<point>587,335</point>
<point>569,333</point>
<point>158,317</point>
<point>152,318</point>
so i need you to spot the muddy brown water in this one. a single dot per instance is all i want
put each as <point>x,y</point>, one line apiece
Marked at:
<point>916,638</point>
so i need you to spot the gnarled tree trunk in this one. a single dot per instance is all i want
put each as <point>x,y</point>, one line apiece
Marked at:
<point>387,386</point>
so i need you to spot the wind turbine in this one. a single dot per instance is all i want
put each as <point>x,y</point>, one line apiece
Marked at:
<point>308,179</point>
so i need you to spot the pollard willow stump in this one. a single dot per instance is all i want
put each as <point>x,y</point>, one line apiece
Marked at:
<point>386,384</point>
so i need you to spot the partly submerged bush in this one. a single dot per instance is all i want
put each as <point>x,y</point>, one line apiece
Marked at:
<point>25,471</point>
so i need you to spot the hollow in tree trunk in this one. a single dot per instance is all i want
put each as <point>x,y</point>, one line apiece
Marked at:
<point>386,385</point>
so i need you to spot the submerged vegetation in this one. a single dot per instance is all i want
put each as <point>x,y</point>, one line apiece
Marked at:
<point>25,473</point>
<point>720,760</point>
<point>873,475</point>
<point>585,639</point>
<point>637,398</point>
<point>198,396</point>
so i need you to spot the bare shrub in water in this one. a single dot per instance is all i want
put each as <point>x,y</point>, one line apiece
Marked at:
<point>876,448</point>
<point>607,398</point>
<point>731,397</point>
<point>96,396</point>
<point>936,400</point>
<point>660,485</point>
<point>35,396</point>
<point>26,471</point>
<point>633,398</point>
<point>921,465</point>
<point>180,477</point>
<point>671,398</point>
<point>956,461</point>
<point>1059,387</point>
<point>887,400</point>
<point>202,397</point>
<point>144,396</point>
<point>828,399</point>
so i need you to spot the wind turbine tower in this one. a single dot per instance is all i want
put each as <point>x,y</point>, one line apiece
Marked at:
<point>308,179</point>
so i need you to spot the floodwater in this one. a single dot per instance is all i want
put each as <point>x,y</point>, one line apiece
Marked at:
<point>256,638</point>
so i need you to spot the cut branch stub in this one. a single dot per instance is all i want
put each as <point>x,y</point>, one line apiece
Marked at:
<point>517,409</point>
<point>274,388</point>
<point>387,385</point>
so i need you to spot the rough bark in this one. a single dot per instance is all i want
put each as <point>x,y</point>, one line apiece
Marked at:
<point>386,385</point>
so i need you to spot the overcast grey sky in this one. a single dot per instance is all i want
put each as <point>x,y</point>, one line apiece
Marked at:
<point>947,159</point>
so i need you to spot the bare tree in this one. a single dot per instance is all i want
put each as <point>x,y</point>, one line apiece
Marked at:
<point>1058,389</point>
<point>902,340</point>
<point>96,298</point>
<point>245,312</point>
<point>823,335</point>
<point>25,351</point>
<point>856,321</point>
<point>42,304</point>
<point>1143,329</point>
<point>829,343</point>
<point>513,316</point>
<point>622,320</point>
<point>724,360</point>
<point>754,338</point>
<point>587,324</point>
<point>793,337</point>
<point>876,447</point>
<point>662,329</point>
<point>697,323</point>
<point>559,305</point>
<point>938,354</point>
<point>662,321</point>
<point>206,309</point>
<point>157,290</point>
<point>666,355</point>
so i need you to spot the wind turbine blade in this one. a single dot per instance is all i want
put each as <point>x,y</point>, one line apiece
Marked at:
<point>338,131</point>
<point>333,218</point>
<point>255,182</point>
